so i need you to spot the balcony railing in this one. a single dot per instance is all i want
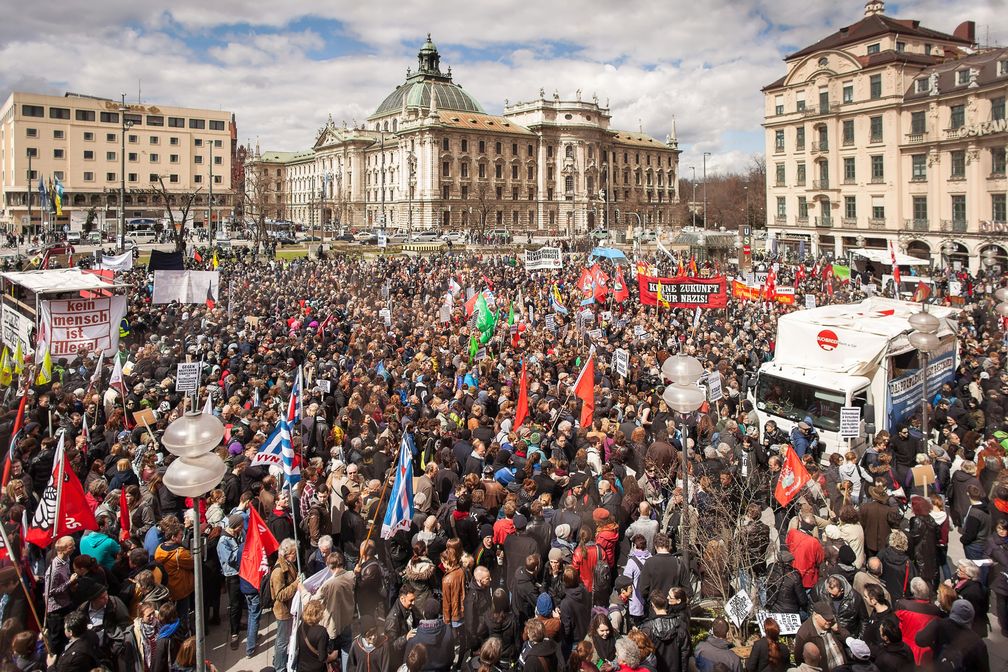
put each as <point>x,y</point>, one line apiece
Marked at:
<point>914,138</point>
<point>820,147</point>
<point>780,220</point>
<point>824,222</point>
<point>820,184</point>
<point>850,222</point>
<point>802,221</point>
<point>876,223</point>
<point>917,224</point>
<point>877,179</point>
<point>953,225</point>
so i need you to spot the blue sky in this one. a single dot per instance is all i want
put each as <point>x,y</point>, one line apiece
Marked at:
<point>283,68</point>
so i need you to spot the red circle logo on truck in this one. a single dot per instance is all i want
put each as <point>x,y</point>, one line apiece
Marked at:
<point>827,340</point>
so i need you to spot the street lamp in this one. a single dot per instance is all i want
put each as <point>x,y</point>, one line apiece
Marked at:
<point>195,471</point>
<point>705,155</point>
<point>924,338</point>
<point>693,202</point>
<point>126,125</point>
<point>683,396</point>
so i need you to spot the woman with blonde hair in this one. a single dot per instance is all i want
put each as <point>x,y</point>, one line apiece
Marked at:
<point>313,640</point>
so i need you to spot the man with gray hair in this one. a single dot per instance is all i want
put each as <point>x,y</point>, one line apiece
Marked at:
<point>284,583</point>
<point>317,560</point>
<point>628,654</point>
<point>915,614</point>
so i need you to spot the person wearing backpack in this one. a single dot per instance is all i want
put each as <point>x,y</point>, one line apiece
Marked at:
<point>955,645</point>
<point>586,556</point>
<point>173,554</point>
<point>662,571</point>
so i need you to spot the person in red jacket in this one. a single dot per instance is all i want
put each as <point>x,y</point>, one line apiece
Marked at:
<point>606,534</point>
<point>914,614</point>
<point>807,551</point>
<point>586,555</point>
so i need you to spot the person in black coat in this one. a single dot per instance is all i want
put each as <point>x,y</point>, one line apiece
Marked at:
<point>474,606</point>
<point>785,593</point>
<point>526,589</point>
<point>953,641</point>
<point>968,586</point>
<point>501,623</point>
<point>669,631</point>
<point>575,611</point>
<point>400,620</point>
<point>436,636</point>
<point>893,654</point>
<point>923,538</point>
<point>79,655</point>
<point>662,571</point>
<point>517,547</point>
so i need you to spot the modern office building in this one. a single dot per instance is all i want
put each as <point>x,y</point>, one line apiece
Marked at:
<point>431,156</point>
<point>79,140</point>
<point>890,131</point>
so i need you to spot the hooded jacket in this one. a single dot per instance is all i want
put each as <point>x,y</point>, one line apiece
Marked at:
<point>439,641</point>
<point>544,656</point>
<point>671,638</point>
<point>849,607</point>
<point>808,555</point>
<point>575,614</point>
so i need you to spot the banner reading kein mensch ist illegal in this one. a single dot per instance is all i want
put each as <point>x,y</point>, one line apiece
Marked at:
<point>92,324</point>
<point>682,292</point>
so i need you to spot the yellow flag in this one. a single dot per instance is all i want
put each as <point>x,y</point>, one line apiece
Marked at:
<point>214,262</point>
<point>18,360</point>
<point>45,368</point>
<point>6,373</point>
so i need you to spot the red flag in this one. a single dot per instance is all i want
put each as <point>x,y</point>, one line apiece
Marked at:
<point>799,273</point>
<point>793,477</point>
<point>586,283</point>
<point>620,291</point>
<point>584,389</point>
<point>62,514</point>
<point>895,268</point>
<point>521,410</point>
<point>124,516</point>
<point>922,292</point>
<point>259,544</point>
<point>210,301</point>
<point>196,256</point>
<point>15,435</point>
<point>487,281</point>
<point>601,283</point>
<point>682,271</point>
<point>692,265</point>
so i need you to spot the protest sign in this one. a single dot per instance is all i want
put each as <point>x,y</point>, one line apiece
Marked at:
<point>621,361</point>
<point>187,377</point>
<point>738,607</point>
<point>683,292</point>
<point>714,392</point>
<point>543,258</point>
<point>850,422</point>
<point>91,324</point>
<point>789,623</point>
<point>185,286</point>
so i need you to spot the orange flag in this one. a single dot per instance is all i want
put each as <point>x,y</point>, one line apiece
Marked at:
<point>584,389</point>
<point>521,410</point>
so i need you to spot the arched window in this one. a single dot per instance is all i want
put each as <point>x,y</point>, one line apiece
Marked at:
<point>569,152</point>
<point>395,125</point>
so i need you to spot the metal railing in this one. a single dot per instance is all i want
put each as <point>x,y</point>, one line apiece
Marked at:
<point>954,225</point>
<point>917,224</point>
<point>819,147</point>
<point>824,222</point>
<point>802,221</point>
<point>850,222</point>
<point>876,223</point>
<point>820,184</point>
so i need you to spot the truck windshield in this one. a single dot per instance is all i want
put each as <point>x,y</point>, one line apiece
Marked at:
<point>794,400</point>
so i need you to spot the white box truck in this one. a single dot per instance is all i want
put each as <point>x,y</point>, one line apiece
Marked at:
<point>853,355</point>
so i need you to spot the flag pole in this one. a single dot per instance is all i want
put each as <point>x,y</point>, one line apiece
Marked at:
<point>24,587</point>
<point>381,498</point>
<point>56,518</point>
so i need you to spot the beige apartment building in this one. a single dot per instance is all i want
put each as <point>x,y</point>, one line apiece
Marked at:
<point>430,156</point>
<point>890,131</point>
<point>79,140</point>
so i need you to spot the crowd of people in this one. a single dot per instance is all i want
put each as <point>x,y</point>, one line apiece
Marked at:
<point>542,547</point>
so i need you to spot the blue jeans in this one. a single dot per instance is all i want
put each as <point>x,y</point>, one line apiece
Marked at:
<point>253,622</point>
<point>283,635</point>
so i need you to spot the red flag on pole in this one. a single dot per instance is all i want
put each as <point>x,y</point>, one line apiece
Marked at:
<point>521,410</point>
<point>259,543</point>
<point>15,435</point>
<point>895,268</point>
<point>124,515</point>
<point>601,283</point>
<point>793,477</point>
<point>586,283</point>
<point>620,291</point>
<point>584,389</point>
<point>922,292</point>
<point>63,509</point>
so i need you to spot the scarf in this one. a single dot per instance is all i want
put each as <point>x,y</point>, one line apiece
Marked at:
<point>604,648</point>
<point>168,629</point>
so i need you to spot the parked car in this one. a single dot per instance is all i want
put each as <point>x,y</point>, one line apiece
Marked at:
<point>454,237</point>
<point>74,237</point>
<point>647,236</point>
<point>94,238</point>
<point>600,234</point>
<point>222,240</point>
<point>429,236</point>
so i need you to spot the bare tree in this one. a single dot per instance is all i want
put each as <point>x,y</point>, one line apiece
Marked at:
<point>256,202</point>
<point>484,201</point>
<point>169,200</point>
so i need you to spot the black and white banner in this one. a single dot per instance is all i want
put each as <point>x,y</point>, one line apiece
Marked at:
<point>543,258</point>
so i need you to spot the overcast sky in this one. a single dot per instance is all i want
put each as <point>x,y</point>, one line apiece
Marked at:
<point>284,66</point>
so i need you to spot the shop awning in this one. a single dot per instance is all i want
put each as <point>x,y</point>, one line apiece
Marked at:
<point>885,258</point>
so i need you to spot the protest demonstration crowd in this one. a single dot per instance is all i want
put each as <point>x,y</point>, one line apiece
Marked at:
<point>456,462</point>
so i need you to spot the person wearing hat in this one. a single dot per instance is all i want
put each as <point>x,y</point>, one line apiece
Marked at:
<point>108,618</point>
<point>954,644</point>
<point>822,631</point>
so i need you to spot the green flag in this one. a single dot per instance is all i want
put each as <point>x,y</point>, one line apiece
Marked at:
<point>511,317</point>
<point>473,347</point>
<point>841,273</point>
<point>486,319</point>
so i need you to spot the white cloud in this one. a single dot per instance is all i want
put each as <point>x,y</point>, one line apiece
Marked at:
<point>701,63</point>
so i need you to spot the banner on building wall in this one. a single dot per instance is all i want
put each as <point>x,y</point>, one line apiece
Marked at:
<point>543,258</point>
<point>684,292</point>
<point>91,324</point>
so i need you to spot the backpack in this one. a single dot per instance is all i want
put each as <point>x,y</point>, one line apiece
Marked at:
<point>266,593</point>
<point>950,660</point>
<point>601,575</point>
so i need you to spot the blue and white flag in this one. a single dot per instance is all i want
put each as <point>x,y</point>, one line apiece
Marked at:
<point>271,452</point>
<point>399,514</point>
<point>291,464</point>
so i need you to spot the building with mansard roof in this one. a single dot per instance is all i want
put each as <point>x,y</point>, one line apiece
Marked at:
<point>431,156</point>
<point>888,131</point>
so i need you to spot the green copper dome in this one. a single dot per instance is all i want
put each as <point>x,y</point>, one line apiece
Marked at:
<point>417,89</point>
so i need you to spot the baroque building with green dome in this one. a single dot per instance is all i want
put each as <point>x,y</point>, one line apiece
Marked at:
<point>430,156</point>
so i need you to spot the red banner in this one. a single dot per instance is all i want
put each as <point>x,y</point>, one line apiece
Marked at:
<point>740,290</point>
<point>682,292</point>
